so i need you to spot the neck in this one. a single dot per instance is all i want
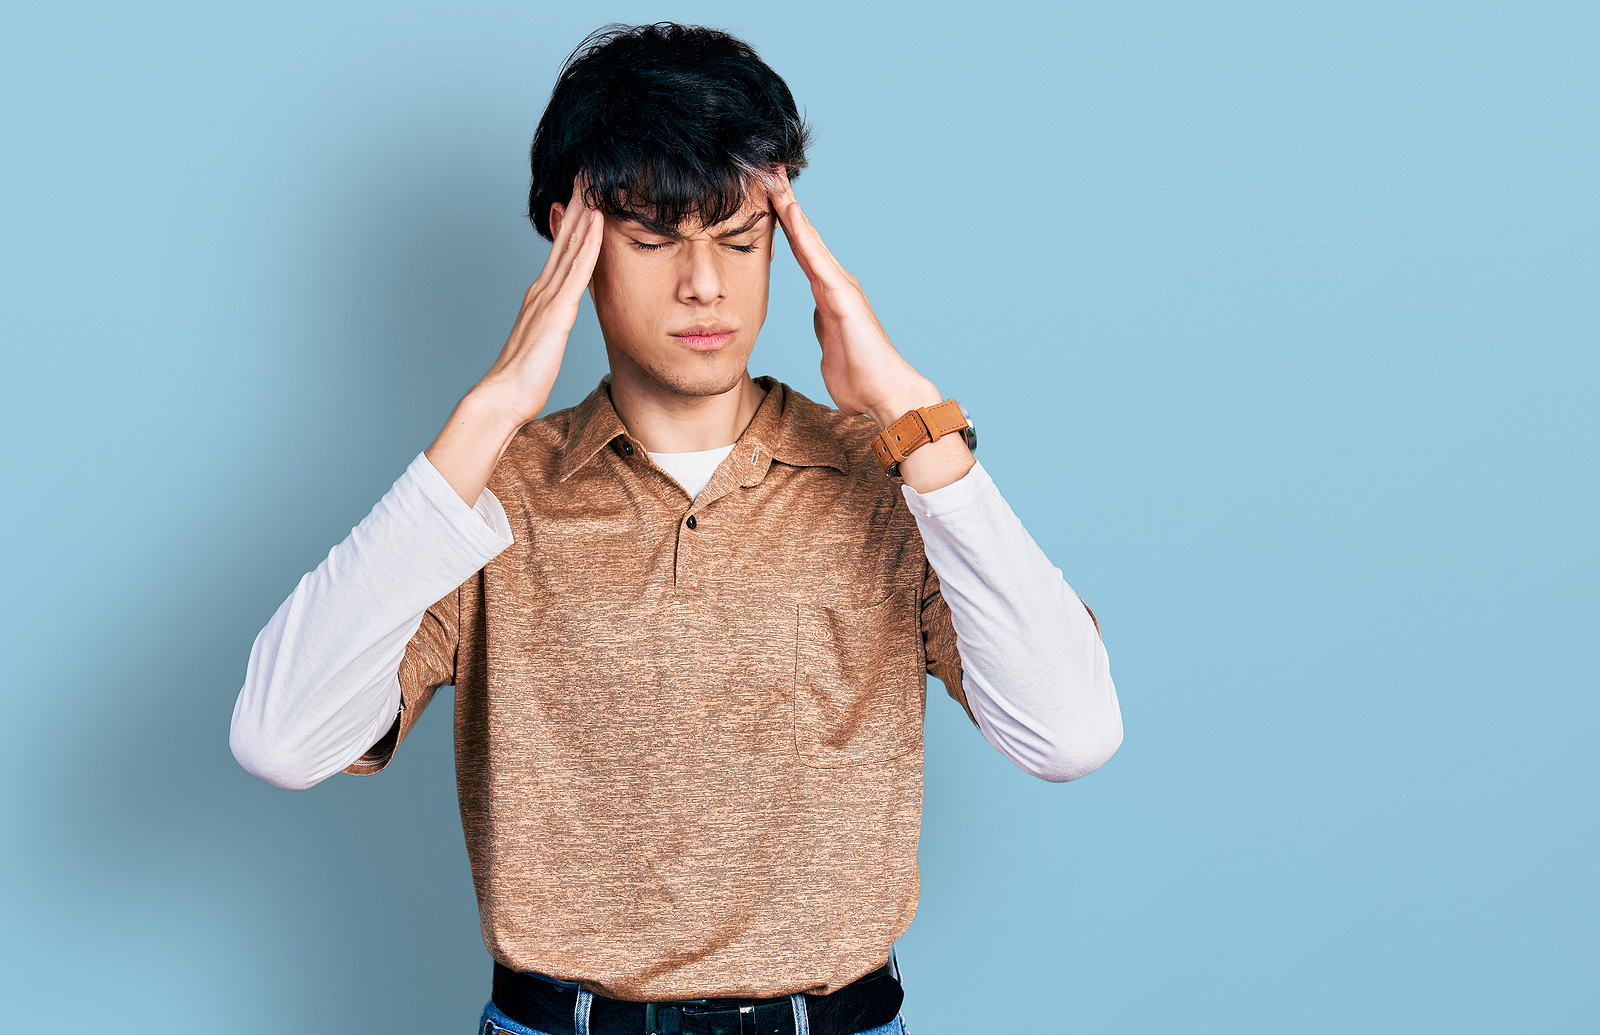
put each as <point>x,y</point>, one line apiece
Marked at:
<point>664,421</point>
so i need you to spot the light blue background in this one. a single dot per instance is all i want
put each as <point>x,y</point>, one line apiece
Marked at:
<point>1279,321</point>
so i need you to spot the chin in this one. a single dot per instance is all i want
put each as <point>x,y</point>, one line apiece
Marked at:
<point>714,380</point>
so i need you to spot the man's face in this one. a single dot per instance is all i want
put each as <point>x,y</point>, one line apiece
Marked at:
<point>683,305</point>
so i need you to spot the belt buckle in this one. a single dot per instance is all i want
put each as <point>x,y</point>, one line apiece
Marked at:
<point>652,1022</point>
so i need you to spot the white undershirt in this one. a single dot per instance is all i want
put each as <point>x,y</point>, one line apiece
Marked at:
<point>693,471</point>
<point>322,685</point>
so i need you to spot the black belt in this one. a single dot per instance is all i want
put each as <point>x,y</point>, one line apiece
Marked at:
<point>866,1003</point>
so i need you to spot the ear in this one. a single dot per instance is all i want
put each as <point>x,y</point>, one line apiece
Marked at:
<point>557,212</point>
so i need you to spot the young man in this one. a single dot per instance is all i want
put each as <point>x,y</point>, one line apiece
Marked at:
<point>688,621</point>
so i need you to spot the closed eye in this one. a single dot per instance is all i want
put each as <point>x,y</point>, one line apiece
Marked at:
<point>646,246</point>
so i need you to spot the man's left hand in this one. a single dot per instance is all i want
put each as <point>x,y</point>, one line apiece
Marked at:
<point>860,367</point>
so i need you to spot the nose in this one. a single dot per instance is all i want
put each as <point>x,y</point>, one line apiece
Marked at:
<point>700,278</point>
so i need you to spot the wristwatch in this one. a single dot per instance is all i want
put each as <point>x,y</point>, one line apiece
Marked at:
<point>919,427</point>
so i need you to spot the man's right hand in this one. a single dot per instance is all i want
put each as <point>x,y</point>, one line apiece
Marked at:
<point>517,387</point>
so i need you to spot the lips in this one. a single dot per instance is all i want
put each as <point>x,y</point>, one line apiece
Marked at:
<point>705,338</point>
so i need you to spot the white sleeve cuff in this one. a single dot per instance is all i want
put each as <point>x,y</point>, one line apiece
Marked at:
<point>961,493</point>
<point>491,515</point>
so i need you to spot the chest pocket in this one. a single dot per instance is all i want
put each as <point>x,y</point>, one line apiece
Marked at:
<point>858,683</point>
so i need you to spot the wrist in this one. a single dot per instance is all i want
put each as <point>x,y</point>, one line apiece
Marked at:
<point>491,410</point>
<point>471,442</point>
<point>910,398</point>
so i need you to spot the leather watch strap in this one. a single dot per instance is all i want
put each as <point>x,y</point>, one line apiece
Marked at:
<point>913,431</point>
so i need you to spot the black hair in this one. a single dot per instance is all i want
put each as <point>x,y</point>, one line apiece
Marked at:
<point>670,122</point>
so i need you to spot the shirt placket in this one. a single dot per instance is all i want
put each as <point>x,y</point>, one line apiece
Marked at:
<point>744,467</point>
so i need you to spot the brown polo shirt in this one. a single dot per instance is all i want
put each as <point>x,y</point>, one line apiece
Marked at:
<point>689,732</point>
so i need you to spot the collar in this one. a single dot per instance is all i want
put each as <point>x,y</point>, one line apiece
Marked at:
<point>787,426</point>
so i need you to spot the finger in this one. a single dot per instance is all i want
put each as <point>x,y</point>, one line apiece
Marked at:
<point>568,234</point>
<point>550,305</point>
<point>575,266</point>
<point>572,258</point>
<point>571,206</point>
<point>588,249</point>
<point>787,210</point>
<point>814,258</point>
<point>776,184</point>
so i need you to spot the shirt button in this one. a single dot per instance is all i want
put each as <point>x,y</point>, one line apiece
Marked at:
<point>691,522</point>
<point>627,449</point>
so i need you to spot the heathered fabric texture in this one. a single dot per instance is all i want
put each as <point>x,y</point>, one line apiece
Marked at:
<point>690,760</point>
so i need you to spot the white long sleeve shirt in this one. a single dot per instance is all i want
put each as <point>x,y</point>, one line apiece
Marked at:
<point>322,683</point>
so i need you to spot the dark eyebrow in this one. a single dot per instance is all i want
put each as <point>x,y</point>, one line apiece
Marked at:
<point>650,225</point>
<point>663,230</point>
<point>746,228</point>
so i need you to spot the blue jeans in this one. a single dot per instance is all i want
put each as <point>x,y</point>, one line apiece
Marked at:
<point>494,1022</point>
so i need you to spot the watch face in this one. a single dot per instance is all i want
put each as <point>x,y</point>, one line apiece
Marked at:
<point>970,433</point>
